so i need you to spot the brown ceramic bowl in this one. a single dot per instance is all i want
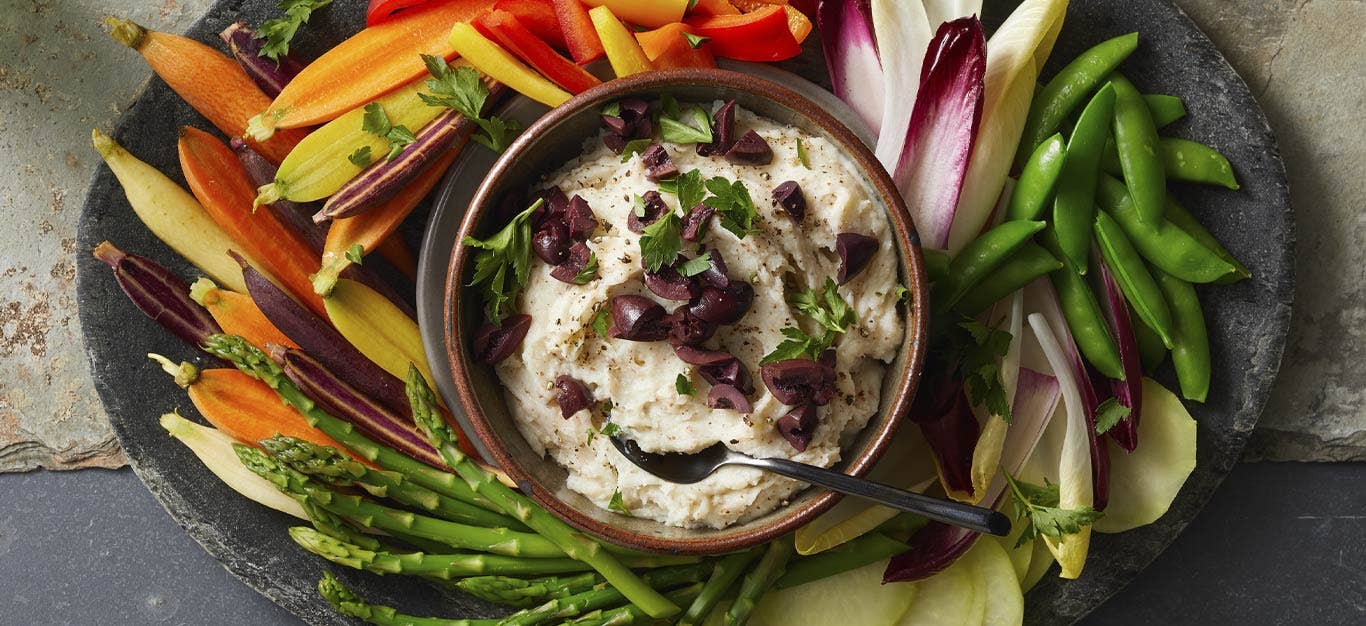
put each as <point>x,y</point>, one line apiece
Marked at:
<point>547,145</point>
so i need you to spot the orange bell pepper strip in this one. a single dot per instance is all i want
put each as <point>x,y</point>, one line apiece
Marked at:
<point>371,63</point>
<point>237,314</point>
<point>579,36</point>
<point>652,13</point>
<point>509,32</point>
<point>761,36</point>
<point>797,21</point>
<point>714,7</point>
<point>668,47</point>
<point>538,16</point>
<point>217,180</point>
<point>499,64</point>
<point>623,52</point>
<point>210,82</point>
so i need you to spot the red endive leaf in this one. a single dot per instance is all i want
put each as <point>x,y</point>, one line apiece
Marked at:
<point>1129,391</point>
<point>851,56</point>
<point>951,430</point>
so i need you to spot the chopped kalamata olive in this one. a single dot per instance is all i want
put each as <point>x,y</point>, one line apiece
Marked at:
<point>633,109</point>
<point>724,306</point>
<point>658,165</point>
<point>576,261</point>
<point>654,209</point>
<point>551,242</point>
<point>750,149</point>
<point>855,251</point>
<point>827,358</point>
<point>667,283</point>
<point>798,426</point>
<point>615,143</point>
<point>495,343</point>
<point>571,395</point>
<point>582,221</point>
<point>693,355</point>
<point>614,125</point>
<point>637,318</point>
<point>728,397</point>
<point>732,372</point>
<point>722,131</point>
<point>552,208</point>
<point>695,224</point>
<point>799,381</point>
<point>715,275</point>
<point>789,196</point>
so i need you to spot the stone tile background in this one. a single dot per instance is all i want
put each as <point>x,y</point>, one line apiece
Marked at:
<point>60,76</point>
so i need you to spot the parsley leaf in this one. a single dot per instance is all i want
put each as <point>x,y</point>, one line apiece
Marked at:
<point>695,266</point>
<point>1110,413</point>
<point>694,126</point>
<point>634,147</point>
<point>683,385</point>
<point>279,32</point>
<point>609,429</point>
<point>695,41</point>
<point>978,353</point>
<point>798,345</point>
<point>902,294</point>
<point>612,109</point>
<point>361,157</point>
<point>1038,508</point>
<point>509,249</point>
<point>801,154</point>
<point>826,307</point>
<point>688,186</point>
<point>355,254</point>
<point>661,241</point>
<point>589,271</point>
<point>461,89</point>
<point>399,138</point>
<point>617,505</point>
<point>601,321</point>
<point>591,434</point>
<point>376,122</point>
<point>733,204</point>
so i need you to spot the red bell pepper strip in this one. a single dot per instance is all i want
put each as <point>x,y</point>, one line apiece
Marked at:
<point>579,35</point>
<point>714,7</point>
<point>538,16</point>
<point>762,36</point>
<point>667,47</point>
<point>509,31</point>
<point>381,10</point>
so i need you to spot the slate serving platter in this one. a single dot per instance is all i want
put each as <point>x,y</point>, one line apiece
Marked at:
<point>1248,321</point>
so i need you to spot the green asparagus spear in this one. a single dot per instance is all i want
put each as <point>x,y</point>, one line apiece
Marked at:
<point>348,603</point>
<point>631,614</point>
<point>727,571</point>
<point>332,466</point>
<point>370,514</point>
<point>856,553</point>
<point>760,579</point>
<point>575,544</point>
<point>605,596</point>
<point>523,593</point>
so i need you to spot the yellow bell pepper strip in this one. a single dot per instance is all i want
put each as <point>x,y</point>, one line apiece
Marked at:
<point>653,14</point>
<point>499,64</point>
<point>623,51</point>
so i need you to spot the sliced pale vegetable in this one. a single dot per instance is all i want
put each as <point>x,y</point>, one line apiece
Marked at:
<point>903,34</point>
<point>172,214</point>
<point>1039,564</point>
<point>214,449</point>
<point>1036,402</point>
<point>1015,54</point>
<point>953,597</point>
<point>940,11</point>
<point>381,331</point>
<point>986,457</point>
<point>1144,483</point>
<point>1000,585</point>
<point>854,597</point>
<point>1020,556</point>
<point>623,51</point>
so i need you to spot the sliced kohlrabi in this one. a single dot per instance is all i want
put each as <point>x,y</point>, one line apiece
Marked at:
<point>1144,482</point>
<point>854,597</point>
<point>953,597</point>
<point>1000,585</point>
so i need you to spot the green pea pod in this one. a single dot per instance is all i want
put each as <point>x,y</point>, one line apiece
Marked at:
<point>1069,89</point>
<point>1084,318</point>
<point>985,254</point>
<point>1163,244</point>
<point>1183,160</point>
<point>1037,180</point>
<point>1074,208</point>
<point>1190,352</point>
<point>936,264</point>
<point>1183,219</point>
<point>1138,285</point>
<point>1150,349</point>
<point>1025,266</point>
<point>1136,141</point>
<point>1166,110</point>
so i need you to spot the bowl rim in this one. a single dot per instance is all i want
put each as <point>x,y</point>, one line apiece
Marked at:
<point>909,252</point>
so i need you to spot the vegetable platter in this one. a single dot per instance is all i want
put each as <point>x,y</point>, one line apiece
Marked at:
<point>1245,321</point>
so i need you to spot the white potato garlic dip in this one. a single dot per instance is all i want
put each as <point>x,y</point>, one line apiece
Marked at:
<point>644,381</point>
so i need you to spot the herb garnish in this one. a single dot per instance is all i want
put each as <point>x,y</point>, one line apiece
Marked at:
<point>278,32</point>
<point>634,147</point>
<point>902,294</point>
<point>1038,508</point>
<point>461,89</point>
<point>1110,413</point>
<point>617,505</point>
<point>589,271</point>
<point>601,321</point>
<point>609,429</point>
<point>733,204</point>
<point>355,254</point>
<point>688,186</point>
<point>696,265</point>
<point>978,352</point>
<point>683,127</point>
<point>509,248</point>
<point>825,307</point>
<point>361,157</point>
<point>801,154</point>
<point>376,122</point>
<point>695,41</point>
<point>661,241</point>
<point>683,385</point>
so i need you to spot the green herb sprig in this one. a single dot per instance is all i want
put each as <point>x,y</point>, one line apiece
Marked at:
<point>828,309</point>
<point>279,32</point>
<point>1038,508</point>
<point>376,122</point>
<point>461,89</point>
<point>509,249</point>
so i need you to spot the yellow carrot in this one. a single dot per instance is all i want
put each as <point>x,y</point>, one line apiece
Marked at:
<point>172,214</point>
<point>497,63</point>
<point>623,51</point>
<point>377,328</point>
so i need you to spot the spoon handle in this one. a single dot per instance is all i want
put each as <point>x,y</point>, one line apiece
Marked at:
<point>947,511</point>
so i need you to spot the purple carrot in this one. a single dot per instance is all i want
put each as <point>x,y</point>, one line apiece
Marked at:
<point>270,76</point>
<point>163,296</point>
<point>339,399</point>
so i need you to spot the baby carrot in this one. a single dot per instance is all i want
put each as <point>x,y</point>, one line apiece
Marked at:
<point>237,314</point>
<point>397,252</point>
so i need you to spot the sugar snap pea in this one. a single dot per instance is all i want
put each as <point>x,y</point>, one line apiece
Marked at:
<point>1165,109</point>
<point>1150,349</point>
<point>984,254</point>
<point>1182,160</point>
<point>1074,207</point>
<point>1190,349</point>
<point>1138,285</point>
<point>1084,317</point>
<point>1068,89</point>
<point>1137,144</point>
<point>1163,243</point>
<point>1023,267</point>
<point>1183,219</point>
<point>1037,180</point>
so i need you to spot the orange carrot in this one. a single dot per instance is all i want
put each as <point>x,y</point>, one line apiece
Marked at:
<point>237,314</point>
<point>397,252</point>
<point>371,63</point>
<point>208,81</point>
<point>370,229</point>
<point>217,179</point>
